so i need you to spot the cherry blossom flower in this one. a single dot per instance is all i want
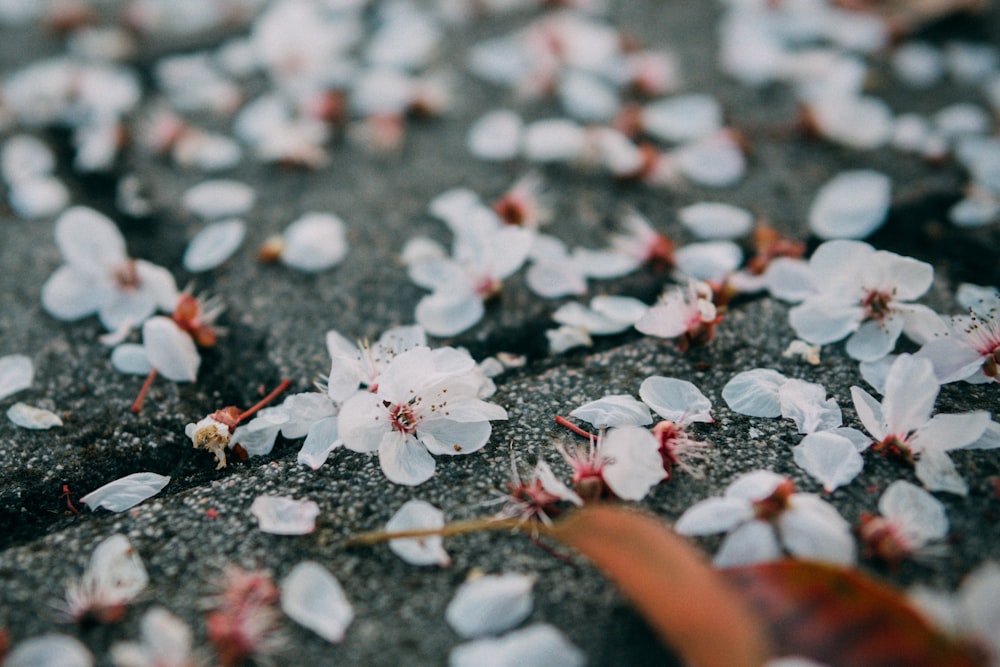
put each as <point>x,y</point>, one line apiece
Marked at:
<point>525,203</point>
<point>114,576</point>
<point>625,462</point>
<point>764,515</point>
<point>537,498</point>
<point>685,313</point>
<point>910,520</point>
<point>243,620</point>
<point>426,403</point>
<point>165,641</point>
<point>902,427</point>
<point>359,364</point>
<point>681,404</point>
<point>862,293</point>
<point>313,598</point>
<point>640,240</point>
<point>99,277</point>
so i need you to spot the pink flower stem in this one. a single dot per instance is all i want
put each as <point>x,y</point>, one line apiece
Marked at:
<point>141,398</point>
<point>562,421</point>
<point>285,384</point>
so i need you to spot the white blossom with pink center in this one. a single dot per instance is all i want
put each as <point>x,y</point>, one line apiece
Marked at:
<point>426,403</point>
<point>764,516</point>
<point>902,426</point>
<point>865,294</point>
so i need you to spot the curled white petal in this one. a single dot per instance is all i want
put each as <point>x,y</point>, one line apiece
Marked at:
<point>830,458</point>
<point>126,492</point>
<point>614,411</point>
<point>674,399</point>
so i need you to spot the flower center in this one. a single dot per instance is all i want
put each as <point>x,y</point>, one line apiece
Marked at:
<point>768,509</point>
<point>403,418</point>
<point>876,305</point>
<point>125,275</point>
<point>895,447</point>
<point>488,287</point>
<point>882,540</point>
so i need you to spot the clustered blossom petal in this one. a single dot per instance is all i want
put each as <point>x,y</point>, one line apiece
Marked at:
<point>685,313</point>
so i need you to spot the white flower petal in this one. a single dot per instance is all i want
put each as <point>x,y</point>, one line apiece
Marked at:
<point>821,321</point>
<point>911,389</point>
<point>538,645</point>
<point>619,308</point>
<point>70,294</point>
<point>830,458</point>
<point>755,392</point>
<point>576,315</point>
<point>49,650</point>
<point>131,359</point>
<point>790,280</point>
<point>170,350</point>
<point>323,438</point>
<point>26,416</point>
<point>552,279</point>
<point>496,136</point>
<point>221,198</point>
<point>714,515</point>
<point>874,340</point>
<point>16,374</point>
<point>454,438</point>
<point>708,260</point>
<point>490,604</point>
<point>115,573</point>
<point>313,598</point>
<point>682,117</point>
<point>614,411</point>
<point>753,542</point>
<point>850,206</point>
<point>716,220</point>
<point>314,242</point>
<point>213,245</point>
<point>917,514</point>
<point>126,492</point>
<point>445,314</point>
<point>715,161</point>
<point>587,97</point>
<point>950,431</point>
<point>676,400</point>
<point>806,404</point>
<point>279,515</point>
<point>257,437</point>
<point>566,338</point>
<point>418,515</point>
<point>554,140</point>
<point>405,460</point>
<point>952,359</point>
<point>89,241</point>
<point>754,485</point>
<point>633,464</point>
<point>869,412</point>
<point>812,528</point>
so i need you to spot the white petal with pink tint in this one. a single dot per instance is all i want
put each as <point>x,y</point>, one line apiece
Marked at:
<point>418,515</point>
<point>313,598</point>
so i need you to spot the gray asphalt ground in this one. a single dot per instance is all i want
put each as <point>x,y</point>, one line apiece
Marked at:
<point>276,319</point>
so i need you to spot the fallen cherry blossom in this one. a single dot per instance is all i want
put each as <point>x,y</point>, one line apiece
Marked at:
<point>314,242</point>
<point>829,457</point>
<point>165,641</point>
<point>50,649</point>
<point>852,205</point>
<point>910,520</point>
<point>217,199</point>
<point>213,245</point>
